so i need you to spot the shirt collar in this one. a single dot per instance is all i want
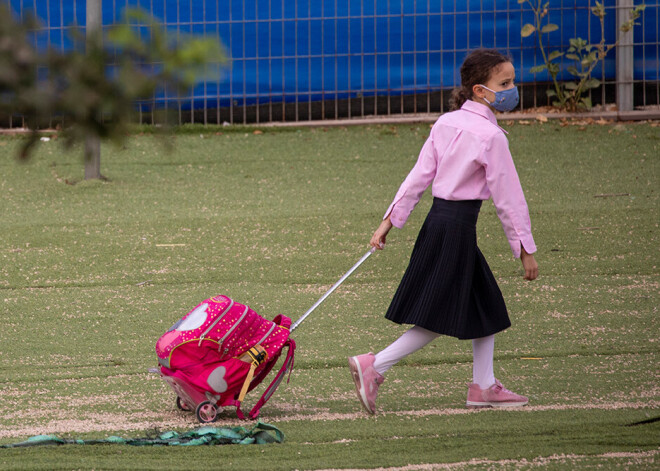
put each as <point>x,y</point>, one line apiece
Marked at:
<point>483,111</point>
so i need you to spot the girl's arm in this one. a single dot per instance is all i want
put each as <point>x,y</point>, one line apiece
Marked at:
<point>412,188</point>
<point>508,196</point>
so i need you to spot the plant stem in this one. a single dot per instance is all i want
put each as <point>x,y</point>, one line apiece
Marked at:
<point>537,20</point>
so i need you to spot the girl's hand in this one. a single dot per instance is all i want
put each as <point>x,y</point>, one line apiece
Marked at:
<point>529,264</point>
<point>378,239</point>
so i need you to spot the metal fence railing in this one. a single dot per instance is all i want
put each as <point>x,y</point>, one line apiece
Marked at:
<point>306,60</point>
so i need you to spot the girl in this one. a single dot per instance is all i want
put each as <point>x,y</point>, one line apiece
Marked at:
<point>448,287</point>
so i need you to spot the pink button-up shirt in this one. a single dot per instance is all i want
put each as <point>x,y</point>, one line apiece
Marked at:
<point>466,157</point>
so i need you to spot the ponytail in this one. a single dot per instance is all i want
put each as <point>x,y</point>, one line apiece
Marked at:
<point>458,97</point>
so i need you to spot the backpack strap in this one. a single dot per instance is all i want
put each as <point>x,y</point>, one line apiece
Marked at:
<point>253,381</point>
<point>282,321</point>
<point>287,366</point>
<point>255,356</point>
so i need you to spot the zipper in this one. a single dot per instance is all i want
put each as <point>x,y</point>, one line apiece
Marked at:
<point>270,331</point>
<point>221,341</point>
<point>201,338</point>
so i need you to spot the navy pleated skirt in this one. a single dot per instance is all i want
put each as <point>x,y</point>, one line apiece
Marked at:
<point>448,287</point>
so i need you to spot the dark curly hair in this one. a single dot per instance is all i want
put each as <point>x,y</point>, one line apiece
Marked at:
<point>476,69</point>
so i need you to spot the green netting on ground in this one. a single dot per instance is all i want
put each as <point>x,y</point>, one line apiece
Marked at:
<point>260,434</point>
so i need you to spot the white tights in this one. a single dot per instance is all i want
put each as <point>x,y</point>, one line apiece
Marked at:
<point>418,337</point>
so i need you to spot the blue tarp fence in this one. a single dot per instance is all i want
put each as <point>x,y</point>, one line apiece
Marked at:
<point>306,51</point>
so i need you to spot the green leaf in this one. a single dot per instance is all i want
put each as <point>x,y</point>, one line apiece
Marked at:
<point>592,83</point>
<point>573,71</point>
<point>137,15</point>
<point>574,57</point>
<point>570,85</point>
<point>553,69</point>
<point>627,26</point>
<point>577,43</point>
<point>527,30</point>
<point>549,28</point>
<point>538,68</point>
<point>586,102</point>
<point>554,54</point>
<point>598,10</point>
<point>588,60</point>
<point>123,36</point>
<point>551,93</point>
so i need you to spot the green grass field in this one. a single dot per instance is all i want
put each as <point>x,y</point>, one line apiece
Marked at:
<point>92,273</point>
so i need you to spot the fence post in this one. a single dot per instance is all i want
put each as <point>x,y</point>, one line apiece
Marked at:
<point>93,143</point>
<point>624,58</point>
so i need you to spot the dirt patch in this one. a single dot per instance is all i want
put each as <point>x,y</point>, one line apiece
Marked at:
<point>108,422</point>
<point>509,464</point>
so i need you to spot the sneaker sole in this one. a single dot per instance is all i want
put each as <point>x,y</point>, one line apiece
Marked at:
<point>356,373</point>
<point>497,405</point>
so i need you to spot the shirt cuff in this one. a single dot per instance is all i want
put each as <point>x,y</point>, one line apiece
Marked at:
<point>526,242</point>
<point>395,217</point>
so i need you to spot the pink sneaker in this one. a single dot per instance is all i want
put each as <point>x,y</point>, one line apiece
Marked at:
<point>366,380</point>
<point>495,396</point>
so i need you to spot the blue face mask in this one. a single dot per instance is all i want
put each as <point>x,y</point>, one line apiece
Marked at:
<point>505,100</point>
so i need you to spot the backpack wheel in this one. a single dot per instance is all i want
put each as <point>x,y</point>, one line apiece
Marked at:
<point>206,412</point>
<point>182,405</point>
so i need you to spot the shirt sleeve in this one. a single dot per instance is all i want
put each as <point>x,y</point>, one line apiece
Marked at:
<point>413,187</point>
<point>508,197</point>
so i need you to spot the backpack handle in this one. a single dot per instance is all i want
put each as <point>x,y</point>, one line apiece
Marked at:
<point>334,287</point>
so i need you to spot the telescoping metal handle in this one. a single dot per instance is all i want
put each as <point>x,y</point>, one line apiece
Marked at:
<point>334,287</point>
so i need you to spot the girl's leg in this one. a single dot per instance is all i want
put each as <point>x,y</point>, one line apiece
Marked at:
<point>367,369</point>
<point>482,366</point>
<point>409,342</point>
<point>485,390</point>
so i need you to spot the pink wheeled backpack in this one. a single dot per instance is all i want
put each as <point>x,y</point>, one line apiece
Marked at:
<point>222,349</point>
<point>218,352</point>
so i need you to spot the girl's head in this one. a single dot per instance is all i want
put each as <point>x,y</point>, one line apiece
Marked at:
<point>484,72</point>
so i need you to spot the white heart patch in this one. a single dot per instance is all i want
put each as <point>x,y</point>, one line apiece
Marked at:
<point>217,379</point>
<point>195,319</point>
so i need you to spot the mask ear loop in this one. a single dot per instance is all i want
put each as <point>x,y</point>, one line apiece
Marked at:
<point>484,97</point>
